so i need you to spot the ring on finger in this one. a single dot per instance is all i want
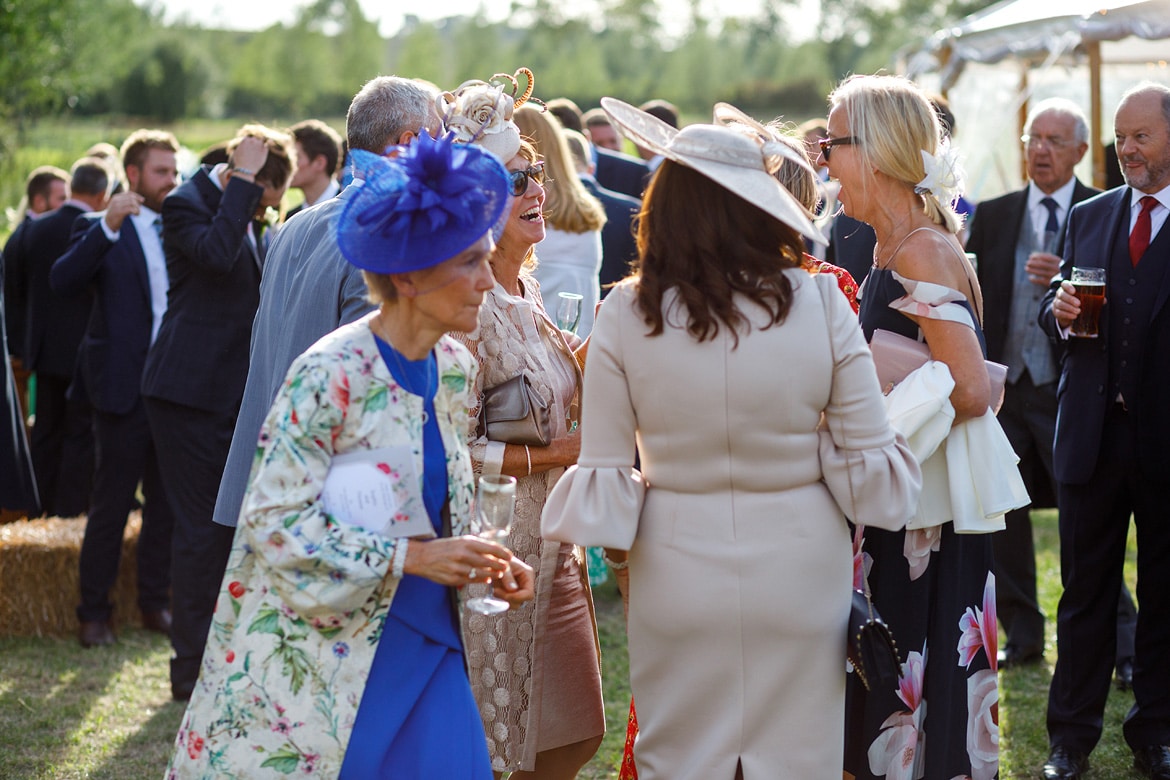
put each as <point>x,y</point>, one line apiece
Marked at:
<point>471,573</point>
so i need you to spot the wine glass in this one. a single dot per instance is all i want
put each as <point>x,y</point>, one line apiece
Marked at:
<point>495,501</point>
<point>568,311</point>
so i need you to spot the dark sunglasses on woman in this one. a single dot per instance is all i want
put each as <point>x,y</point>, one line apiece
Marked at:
<point>827,144</point>
<point>519,179</point>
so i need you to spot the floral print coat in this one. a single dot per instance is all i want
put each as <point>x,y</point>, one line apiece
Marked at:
<point>304,598</point>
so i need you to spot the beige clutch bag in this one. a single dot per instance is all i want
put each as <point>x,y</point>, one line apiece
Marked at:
<point>895,356</point>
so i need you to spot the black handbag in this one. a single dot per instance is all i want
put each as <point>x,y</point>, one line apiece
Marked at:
<point>513,412</point>
<point>871,647</point>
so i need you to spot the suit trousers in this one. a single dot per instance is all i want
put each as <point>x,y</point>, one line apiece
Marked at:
<point>1028,418</point>
<point>61,447</point>
<point>125,455</point>
<point>192,446</point>
<point>1094,524</point>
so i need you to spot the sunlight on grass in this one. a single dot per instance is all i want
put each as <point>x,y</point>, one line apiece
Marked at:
<point>107,714</point>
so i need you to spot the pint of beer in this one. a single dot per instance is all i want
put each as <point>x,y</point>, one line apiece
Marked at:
<point>1090,290</point>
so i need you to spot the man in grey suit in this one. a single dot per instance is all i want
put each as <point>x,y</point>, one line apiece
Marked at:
<point>308,289</point>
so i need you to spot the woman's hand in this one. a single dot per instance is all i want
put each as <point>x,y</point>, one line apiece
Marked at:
<point>566,449</point>
<point>458,560</point>
<point>517,584</point>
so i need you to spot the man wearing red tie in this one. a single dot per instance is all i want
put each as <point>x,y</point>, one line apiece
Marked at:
<point>1111,459</point>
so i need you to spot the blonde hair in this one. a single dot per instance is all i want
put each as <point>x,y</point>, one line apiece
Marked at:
<point>568,206</point>
<point>379,288</point>
<point>894,122</point>
<point>796,178</point>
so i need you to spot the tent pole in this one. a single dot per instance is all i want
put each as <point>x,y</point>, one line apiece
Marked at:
<point>1096,141</point>
<point>1022,118</point>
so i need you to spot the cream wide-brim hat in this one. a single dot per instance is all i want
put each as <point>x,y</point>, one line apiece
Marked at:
<point>731,158</point>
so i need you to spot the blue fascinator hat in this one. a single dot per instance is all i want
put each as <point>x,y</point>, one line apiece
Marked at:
<point>428,204</point>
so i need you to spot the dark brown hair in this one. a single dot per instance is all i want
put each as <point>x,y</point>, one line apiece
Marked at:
<point>709,244</point>
<point>318,140</point>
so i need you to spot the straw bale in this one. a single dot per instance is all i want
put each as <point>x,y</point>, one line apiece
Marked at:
<point>39,588</point>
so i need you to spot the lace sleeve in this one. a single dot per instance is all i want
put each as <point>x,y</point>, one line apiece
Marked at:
<point>498,348</point>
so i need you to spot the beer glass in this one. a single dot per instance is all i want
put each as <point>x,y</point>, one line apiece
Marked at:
<point>1089,284</point>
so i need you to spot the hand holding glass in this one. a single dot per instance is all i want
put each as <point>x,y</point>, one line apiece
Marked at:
<point>1090,288</point>
<point>495,503</point>
<point>568,311</point>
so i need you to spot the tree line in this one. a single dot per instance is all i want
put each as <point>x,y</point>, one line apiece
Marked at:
<point>96,57</point>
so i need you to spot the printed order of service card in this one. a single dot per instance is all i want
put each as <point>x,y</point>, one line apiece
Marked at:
<point>377,490</point>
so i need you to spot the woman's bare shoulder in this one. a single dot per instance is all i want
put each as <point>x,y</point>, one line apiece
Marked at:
<point>932,256</point>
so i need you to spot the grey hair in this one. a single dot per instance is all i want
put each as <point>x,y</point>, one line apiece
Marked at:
<point>1151,86</point>
<point>1061,107</point>
<point>387,107</point>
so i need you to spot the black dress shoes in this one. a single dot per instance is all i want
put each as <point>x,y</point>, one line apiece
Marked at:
<point>1011,656</point>
<point>1153,761</point>
<point>158,621</point>
<point>95,633</point>
<point>1065,763</point>
<point>1123,677</point>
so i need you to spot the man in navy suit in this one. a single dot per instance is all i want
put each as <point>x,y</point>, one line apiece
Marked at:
<point>61,441</point>
<point>1110,457</point>
<point>195,370</point>
<point>118,257</point>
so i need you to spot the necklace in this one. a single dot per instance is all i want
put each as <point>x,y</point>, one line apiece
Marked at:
<point>432,381</point>
<point>877,263</point>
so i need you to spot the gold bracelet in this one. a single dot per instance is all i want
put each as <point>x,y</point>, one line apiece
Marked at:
<point>528,454</point>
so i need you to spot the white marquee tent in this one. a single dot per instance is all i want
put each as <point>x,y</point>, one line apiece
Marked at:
<point>996,61</point>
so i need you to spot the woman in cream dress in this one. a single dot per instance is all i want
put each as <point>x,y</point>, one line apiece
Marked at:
<point>747,388</point>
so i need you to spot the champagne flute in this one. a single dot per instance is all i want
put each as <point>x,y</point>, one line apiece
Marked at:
<point>495,502</point>
<point>568,311</point>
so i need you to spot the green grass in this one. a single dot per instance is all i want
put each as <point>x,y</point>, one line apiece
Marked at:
<point>1024,692</point>
<point>107,713</point>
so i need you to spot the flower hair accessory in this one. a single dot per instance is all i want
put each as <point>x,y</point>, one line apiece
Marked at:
<point>480,112</point>
<point>428,204</point>
<point>944,175</point>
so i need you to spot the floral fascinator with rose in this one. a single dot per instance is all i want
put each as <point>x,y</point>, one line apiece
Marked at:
<point>480,112</point>
<point>435,199</point>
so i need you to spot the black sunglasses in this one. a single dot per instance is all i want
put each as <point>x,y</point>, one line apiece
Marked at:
<point>519,179</point>
<point>827,144</point>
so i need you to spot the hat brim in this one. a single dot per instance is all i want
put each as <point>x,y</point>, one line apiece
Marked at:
<point>748,180</point>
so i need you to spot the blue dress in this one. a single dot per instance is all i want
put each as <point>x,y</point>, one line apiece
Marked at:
<point>927,584</point>
<point>418,717</point>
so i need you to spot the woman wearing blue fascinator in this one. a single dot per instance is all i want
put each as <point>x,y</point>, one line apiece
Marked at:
<point>354,543</point>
